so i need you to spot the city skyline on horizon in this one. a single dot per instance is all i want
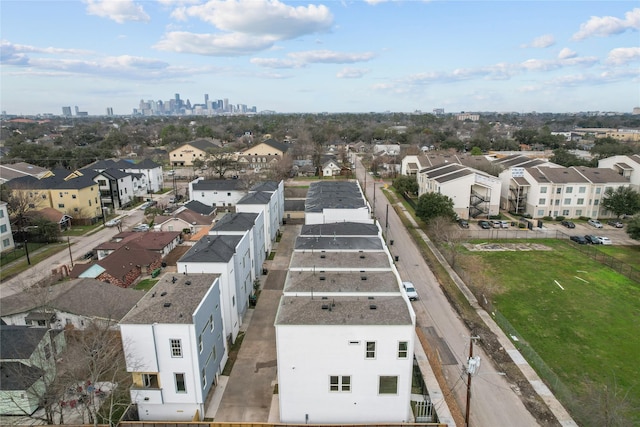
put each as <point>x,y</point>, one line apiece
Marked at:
<point>322,56</point>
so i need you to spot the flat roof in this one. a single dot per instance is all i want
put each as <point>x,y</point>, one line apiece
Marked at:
<point>340,229</point>
<point>171,302</point>
<point>341,311</point>
<point>339,243</point>
<point>341,281</point>
<point>353,260</point>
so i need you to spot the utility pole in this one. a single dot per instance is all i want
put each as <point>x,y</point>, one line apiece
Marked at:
<point>26,251</point>
<point>70,255</point>
<point>472,368</point>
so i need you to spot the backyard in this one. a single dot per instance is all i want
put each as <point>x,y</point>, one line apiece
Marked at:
<point>578,315</point>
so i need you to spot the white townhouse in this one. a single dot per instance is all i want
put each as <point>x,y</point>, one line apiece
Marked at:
<point>217,193</point>
<point>569,192</point>
<point>250,224</point>
<point>175,347</point>
<point>330,201</point>
<point>116,188</point>
<point>474,193</point>
<point>342,297</point>
<point>230,257</point>
<point>146,175</point>
<point>6,235</point>
<point>627,166</point>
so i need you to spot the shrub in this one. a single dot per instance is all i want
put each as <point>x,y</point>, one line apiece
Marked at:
<point>560,218</point>
<point>547,218</point>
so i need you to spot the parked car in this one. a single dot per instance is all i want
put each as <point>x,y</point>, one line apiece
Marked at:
<point>604,240</point>
<point>592,239</point>
<point>410,290</point>
<point>463,223</point>
<point>141,227</point>
<point>171,172</point>
<point>595,223</point>
<point>579,240</point>
<point>496,224</point>
<point>113,222</point>
<point>88,255</point>
<point>484,224</point>
<point>568,224</point>
<point>615,223</point>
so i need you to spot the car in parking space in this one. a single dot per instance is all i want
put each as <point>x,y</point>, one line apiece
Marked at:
<point>595,223</point>
<point>592,239</point>
<point>568,224</point>
<point>579,240</point>
<point>412,294</point>
<point>463,223</point>
<point>484,224</point>
<point>615,223</point>
<point>113,222</point>
<point>141,227</point>
<point>604,240</point>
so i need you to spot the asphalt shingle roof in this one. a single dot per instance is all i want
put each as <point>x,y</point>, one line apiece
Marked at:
<point>212,249</point>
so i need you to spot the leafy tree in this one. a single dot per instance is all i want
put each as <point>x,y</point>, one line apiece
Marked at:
<point>621,201</point>
<point>47,230</point>
<point>564,158</point>
<point>476,151</point>
<point>406,184</point>
<point>432,205</point>
<point>633,227</point>
<point>526,136</point>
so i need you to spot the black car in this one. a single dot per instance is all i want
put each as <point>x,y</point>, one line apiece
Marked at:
<point>592,239</point>
<point>579,240</point>
<point>463,223</point>
<point>615,223</point>
<point>568,224</point>
<point>484,224</point>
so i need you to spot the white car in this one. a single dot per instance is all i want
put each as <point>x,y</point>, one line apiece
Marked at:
<point>604,240</point>
<point>141,227</point>
<point>112,223</point>
<point>410,290</point>
<point>595,223</point>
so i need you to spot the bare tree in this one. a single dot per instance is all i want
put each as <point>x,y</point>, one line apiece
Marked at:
<point>282,169</point>
<point>20,201</point>
<point>221,161</point>
<point>608,404</point>
<point>447,235</point>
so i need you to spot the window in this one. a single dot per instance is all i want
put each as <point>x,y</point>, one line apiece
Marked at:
<point>579,212</point>
<point>61,205</point>
<point>340,383</point>
<point>61,194</point>
<point>102,183</point>
<point>567,201</point>
<point>542,201</point>
<point>176,348</point>
<point>89,202</point>
<point>150,380</point>
<point>371,350</point>
<point>557,203</point>
<point>228,194</point>
<point>568,190</point>
<point>565,212</point>
<point>388,385</point>
<point>580,202</point>
<point>3,228</point>
<point>582,190</point>
<point>543,190</point>
<point>403,349</point>
<point>32,206</point>
<point>596,202</point>
<point>558,190</point>
<point>204,377</point>
<point>47,351</point>
<point>211,321</point>
<point>73,196</point>
<point>598,190</point>
<point>200,344</point>
<point>181,386</point>
<point>5,243</point>
<point>1,213</point>
<point>540,212</point>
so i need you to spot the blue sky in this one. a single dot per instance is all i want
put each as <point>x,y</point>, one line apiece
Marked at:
<point>321,56</point>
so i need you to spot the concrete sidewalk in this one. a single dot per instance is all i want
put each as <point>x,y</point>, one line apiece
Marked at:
<point>248,395</point>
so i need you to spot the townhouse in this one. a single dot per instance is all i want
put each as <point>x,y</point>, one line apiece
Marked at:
<point>556,191</point>
<point>267,198</point>
<point>175,347</point>
<point>6,235</point>
<point>219,193</point>
<point>335,202</point>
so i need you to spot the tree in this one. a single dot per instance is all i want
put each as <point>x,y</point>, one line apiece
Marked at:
<point>221,161</point>
<point>476,151</point>
<point>432,205</point>
<point>633,227</point>
<point>621,201</point>
<point>447,235</point>
<point>19,202</point>
<point>282,168</point>
<point>406,184</point>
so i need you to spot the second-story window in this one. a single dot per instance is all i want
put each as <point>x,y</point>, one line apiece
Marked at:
<point>176,348</point>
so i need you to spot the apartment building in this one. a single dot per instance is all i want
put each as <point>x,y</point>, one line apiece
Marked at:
<point>219,193</point>
<point>626,166</point>
<point>175,347</point>
<point>6,235</point>
<point>268,198</point>
<point>474,193</point>
<point>570,192</point>
<point>329,202</point>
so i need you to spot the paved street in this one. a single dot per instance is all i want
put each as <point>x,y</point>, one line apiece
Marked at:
<point>493,402</point>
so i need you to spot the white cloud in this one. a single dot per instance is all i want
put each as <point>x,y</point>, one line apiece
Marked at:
<point>304,58</point>
<point>566,53</point>
<point>623,55</point>
<point>263,17</point>
<point>608,25</point>
<point>351,73</point>
<point>235,44</point>
<point>542,41</point>
<point>120,11</point>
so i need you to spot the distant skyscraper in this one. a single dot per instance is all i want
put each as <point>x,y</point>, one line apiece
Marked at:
<point>77,110</point>
<point>206,99</point>
<point>225,105</point>
<point>109,111</point>
<point>66,111</point>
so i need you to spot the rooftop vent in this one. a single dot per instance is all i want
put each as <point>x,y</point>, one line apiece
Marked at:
<point>323,256</point>
<point>373,307</point>
<point>325,306</point>
<point>188,282</point>
<point>370,298</point>
<point>323,278</point>
<point>167,304</point>
<point>163,294</point>
<point>363,277</point>
<point>361,256</point>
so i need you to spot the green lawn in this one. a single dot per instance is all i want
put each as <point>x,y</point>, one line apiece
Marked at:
<point>146,284</point>
<point>588,328</point>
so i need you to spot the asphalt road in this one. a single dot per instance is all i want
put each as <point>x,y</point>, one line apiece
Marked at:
<point>80,245</point>
<point>493,401</point>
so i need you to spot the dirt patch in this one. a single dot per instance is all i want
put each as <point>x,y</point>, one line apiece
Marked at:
<point>513,247</point>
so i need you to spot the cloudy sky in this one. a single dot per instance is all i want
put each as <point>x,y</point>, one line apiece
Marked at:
<point>321,56</point>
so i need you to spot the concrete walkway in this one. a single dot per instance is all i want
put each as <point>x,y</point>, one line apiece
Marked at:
<point>249,392</point>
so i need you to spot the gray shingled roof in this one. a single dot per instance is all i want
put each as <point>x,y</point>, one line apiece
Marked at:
<point>239,221</point>
<point>19,342</point>
<point>199,207</point>
<point>217,185</point>
<point>334,194</point>
<point>266,186</point>
<point>255,198</point>
<point>18,376</point>
<point>171,302</point>
<point>212,249</point>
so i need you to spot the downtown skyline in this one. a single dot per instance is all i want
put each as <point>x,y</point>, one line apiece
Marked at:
<point>323,56</point>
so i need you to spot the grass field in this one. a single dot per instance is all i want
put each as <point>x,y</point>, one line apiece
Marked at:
<point>587,325</point>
